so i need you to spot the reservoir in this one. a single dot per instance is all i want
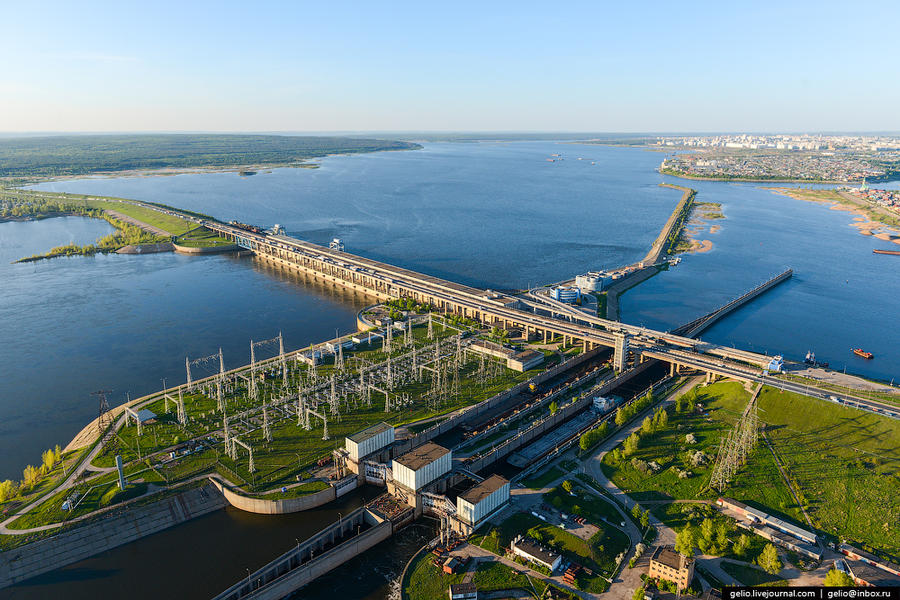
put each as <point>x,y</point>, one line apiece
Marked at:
<point>496,215</point>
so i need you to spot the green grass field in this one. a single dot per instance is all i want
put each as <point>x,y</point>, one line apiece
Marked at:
<point>543,478</point>
<point>597,554</point>
<point>751,575</point>
<point>201,238</point>
<point>758,483</point>
<point>846,463</point>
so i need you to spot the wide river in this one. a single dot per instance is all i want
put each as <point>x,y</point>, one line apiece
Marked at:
<point>496,215</point>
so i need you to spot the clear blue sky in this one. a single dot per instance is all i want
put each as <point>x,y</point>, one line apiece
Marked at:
<point>351,66</point>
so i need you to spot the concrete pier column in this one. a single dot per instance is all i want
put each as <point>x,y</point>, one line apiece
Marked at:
<point>710,377</point>
<point>620,354</point>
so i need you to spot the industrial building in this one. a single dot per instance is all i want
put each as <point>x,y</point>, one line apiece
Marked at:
<point>463,591</point>
<point>867,575</point>
<point>754,515</point>
<point>569,295</point>
<point>593,281</point>
<point>368,441</point>
<point>672,566</point>
<point>525,360</point>
<point>417,468</point>
<point>476,505</point>
<point>516,360</point>
<point>532,550</point>
<point>865,557</point>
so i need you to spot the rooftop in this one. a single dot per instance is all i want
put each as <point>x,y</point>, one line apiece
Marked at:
<point>869,556</point>
<point>871,575</point>
<point>369,432</point>
<point>537,550</point>
<point>476,494</point>
<point>667,556</point>
<point>421,456</point>
<point>463,588</point>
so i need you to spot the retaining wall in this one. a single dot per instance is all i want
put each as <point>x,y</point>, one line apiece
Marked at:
<point>110,531</point>
<point>282,506</point>
<point>205,250</point>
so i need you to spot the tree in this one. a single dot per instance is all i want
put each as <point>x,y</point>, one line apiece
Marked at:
<point>554,407</point>
<point>647,425</point>
<point>567,486</point>
<point>7,490</point>
<point>679,405</point>
<point>685,542</point>
<point>638,594</point>
<point>645,519</point>
<point>631,443</point>
<point>768,560</point>
<point>48,460</point>
<point>618,455</point>
<point>835,578</point>
<point>742,545</point>
<point>30,476</point>
<point>636,512</point>
<point>663,421</point>
<point>621,419</point>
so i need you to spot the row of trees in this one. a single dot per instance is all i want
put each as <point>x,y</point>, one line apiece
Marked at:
<point>711,538</point>
<point>31,475</point>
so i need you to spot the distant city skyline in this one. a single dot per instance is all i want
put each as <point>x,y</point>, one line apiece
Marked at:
<point>533,67</point>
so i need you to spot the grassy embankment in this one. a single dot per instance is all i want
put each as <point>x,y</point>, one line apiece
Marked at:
<point>758,483</point>
<point>22,204</point>
<point>844,464</point>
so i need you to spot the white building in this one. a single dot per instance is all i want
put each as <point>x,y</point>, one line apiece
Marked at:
<point>478,503</point>
<point>369,440</point>
<point>591,282</point>
<point>569,295</point>
<point>417,468</point>
<point>532,550</point>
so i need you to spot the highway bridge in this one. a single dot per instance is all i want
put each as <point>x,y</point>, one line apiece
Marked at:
<point>386,281</point>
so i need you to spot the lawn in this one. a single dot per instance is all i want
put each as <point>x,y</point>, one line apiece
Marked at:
<point>543,478</point>
<point>584,504</point>
<point>428,582</point>
<point>201,238</point>
<point>597,554</point>
<point>752,576</point>
<point>723,403</point>
<point>845,462</point>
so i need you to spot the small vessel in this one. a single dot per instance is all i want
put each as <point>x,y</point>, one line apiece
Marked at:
<point>863,353</point>
<point>894,252</point>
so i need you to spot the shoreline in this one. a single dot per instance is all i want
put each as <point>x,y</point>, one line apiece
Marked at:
<point>866,224</point>
<point>258,169</point>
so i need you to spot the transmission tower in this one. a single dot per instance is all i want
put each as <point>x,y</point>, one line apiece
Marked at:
<point>182,416</point>
<point>104,418</point>
<point>735,448</point>
<point>430,326</point>
<point>267,429</point>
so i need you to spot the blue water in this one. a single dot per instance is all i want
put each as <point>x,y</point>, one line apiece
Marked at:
<point>492,215</point>
<point>495,215</point>
<point>841,295</point>
<point>72,326</point>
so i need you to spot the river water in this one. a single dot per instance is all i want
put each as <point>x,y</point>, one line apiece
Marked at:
<point>494,215</point>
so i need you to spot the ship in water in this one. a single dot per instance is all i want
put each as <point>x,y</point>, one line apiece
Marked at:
<point>894,252</point>
<point>811,360</point>
<point>863,353</point>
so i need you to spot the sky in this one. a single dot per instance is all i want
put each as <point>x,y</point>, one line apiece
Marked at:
<point>453,66</point>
